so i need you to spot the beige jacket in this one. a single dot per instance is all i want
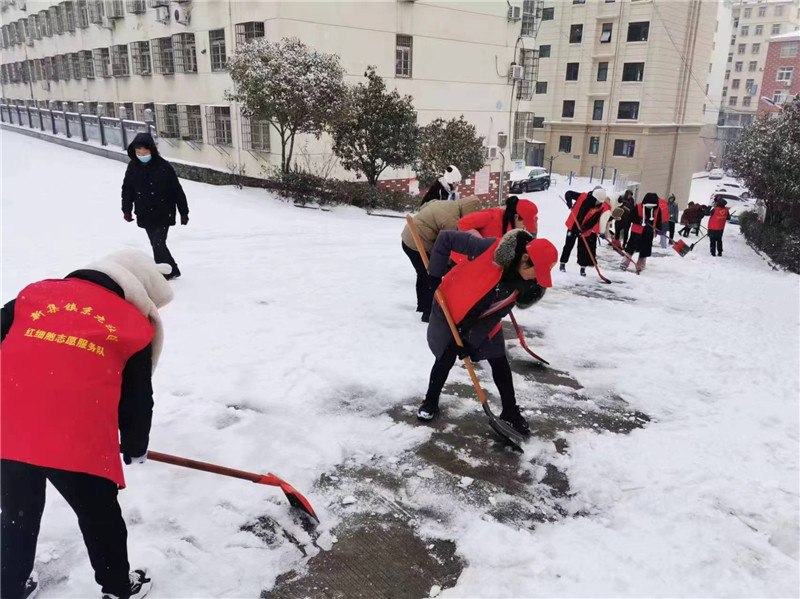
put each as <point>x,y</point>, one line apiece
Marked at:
<point>439,215</point>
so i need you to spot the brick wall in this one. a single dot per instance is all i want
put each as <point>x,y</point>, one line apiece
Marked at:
<point>769,85</point>
<point>466,188</point>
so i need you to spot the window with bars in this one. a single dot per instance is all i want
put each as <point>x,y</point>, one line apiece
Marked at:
<point>87,64</point>
<point>3,75</point>
<point>523,126</point>
<point>26,75</point>
<point>185,53</point>
<point>115,9</point>
<point>191,122</point>
<point>75,59</point>
<point>82,13</point>
<point>12,34</point>
<point>102,62</point>
<point>140,58</point>
<point>163,59</point>
<point>33,27</point>
<point>96,11</point>
<point>49,69</point>
<point>216,47</point>
<point>403,56</point>
<point>528,18</point>
<point>45,25</point>
<point>527,59</point>
<point>128,108</point>
<point>119,60</point>
<point>139,111</point>
<point>136,7</point>
<point>249,31</point>
<point>255,135</point>
<point>38,70</point>
<point>69,15</point>
<point>5,38</point>
<point>62,67</point>
<point>22,30</point>
<point>167,121</point>
<point>218,123</point>
<point>57,19</point>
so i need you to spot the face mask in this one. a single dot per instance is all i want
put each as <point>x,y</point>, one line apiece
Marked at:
<point>145,159</point>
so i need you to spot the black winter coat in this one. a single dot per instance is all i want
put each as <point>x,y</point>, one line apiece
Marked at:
<point>152,190</point>
<point>437,191</point>
<point>136,394</point>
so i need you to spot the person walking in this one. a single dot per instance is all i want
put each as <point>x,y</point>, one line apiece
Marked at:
<point>716,224</point>
<point>152,191</point>
<point>78,356</point>
<point>435,217</point>
<point>672,205</point>
<point>500,274</point>
<point>647,219</point>
<point>623,226</point>
<point>444,187</point>
<point>584,221</point>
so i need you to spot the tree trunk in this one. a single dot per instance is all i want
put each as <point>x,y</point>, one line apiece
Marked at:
<point>291,149</point>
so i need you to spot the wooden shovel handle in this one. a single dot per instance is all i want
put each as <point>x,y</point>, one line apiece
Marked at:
<point>213,468</point>
<point>443,303</point>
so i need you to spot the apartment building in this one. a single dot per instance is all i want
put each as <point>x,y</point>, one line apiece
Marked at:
<point>755,22</point>
<point>112,56</point>
<point>781,78</point>
<point>622,86</point>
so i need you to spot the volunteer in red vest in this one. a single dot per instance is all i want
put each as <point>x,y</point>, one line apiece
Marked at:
<point>584,220</point>
<point>647,218</point>
<point>500,274</point>
<point>716,224</point>
<point>496,222</point>
<point>77,360</point>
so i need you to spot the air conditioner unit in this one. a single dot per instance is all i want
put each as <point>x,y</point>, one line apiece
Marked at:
<point>162,14</point>
<point>182,14</point>
<point>514,13</point>
<point>492,152</point>
<point>106,23</point>
<point>516,72</point>
<point>157,3</point>
<point>787,83</point>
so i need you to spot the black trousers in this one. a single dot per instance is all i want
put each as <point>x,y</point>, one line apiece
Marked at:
<point>501,373</point>
<point>424,286</point>
<point>584,258</point>
<point>621,230</point>
<point>161,254</point>
<point>685,231</point>
<point>94,501</point>
<point>716,241</point>
<point>672,229</point>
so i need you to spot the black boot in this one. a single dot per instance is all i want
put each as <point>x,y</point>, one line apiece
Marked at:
<point>562,267</point>
<point>516,420</point>
<point>583,271</point>
<point>427,411</point>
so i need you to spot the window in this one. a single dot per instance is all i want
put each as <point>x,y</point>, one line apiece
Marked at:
<point>163,59</point>
<point>82,13</point>
<point>594,145</point>
<point>628,111</point>
<point>638,32</point>
<point>56,20</point>
<point>746,101</point>
<point>403,56</point>
<point>624,147</point>
<point>255,135</point>
<point>633,71</point>
<point>96,11</point>
<point>730,57</point>
<point>732,101</point>
<point>597,113</point>
<point>605,34</point>
<point>140,56</point>
<point>528,18</point>
<point>49,69</point>
<point>602,71</point>
<point>724,91</point>
<point>218,122</point>
<point>785,74</point>
<point>548,14</point>
<point>523,130</point>
<point>738,67</point>
<point>249,31</point>
<point>780,96</point>
<point>741,49</point>
<point>745,30</point>
<point>68,8</point>
<point>136,7</point>
<point>167,123</point>
<point>568,109</point>
<point>33,27</point>
<point>756,48</point>
<point>759,30</point>
<point>191,123</point>
<point>779,11</point>
<point>62,67</point>
<point>572,71</point>
<point>727,75</point>
<point>544,51</point>
<point>565,144</point>
<point>87,64</point>
<point>735,84</point>
<point>579,1</point>
<point>575,34</point>
<point>102,62</point>
<point>541,87</point>
<point>776,29</point>
<point>119,60</point>
<point>749,84</point>
<point>538,122</point>
<point>748,12</point>
<point>751,66</point>
<point>185,52</point>
<point>789,50</point>
<point>216,47</point>
<point>527,59</point>
<point>75,59</point>
<point>762,11</point>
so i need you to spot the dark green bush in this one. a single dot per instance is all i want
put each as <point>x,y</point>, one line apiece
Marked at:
<point>779,241</point>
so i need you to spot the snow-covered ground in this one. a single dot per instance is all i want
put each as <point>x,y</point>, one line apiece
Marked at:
<point>292,334</point>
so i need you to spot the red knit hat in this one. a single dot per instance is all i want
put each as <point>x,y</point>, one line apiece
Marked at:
<point>544,256</point>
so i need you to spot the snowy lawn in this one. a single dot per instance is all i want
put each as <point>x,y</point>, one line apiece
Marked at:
<point>292,335</point>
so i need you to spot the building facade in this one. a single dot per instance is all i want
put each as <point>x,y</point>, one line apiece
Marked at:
<point>781,78</point>
<point>112,56</point>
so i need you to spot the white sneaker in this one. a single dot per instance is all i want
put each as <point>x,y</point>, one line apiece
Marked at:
<point>139,587</point>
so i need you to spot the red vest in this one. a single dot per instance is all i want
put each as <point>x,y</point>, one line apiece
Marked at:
<point>718,218</point>
<point>573,216</point>
<point>62,364</point>
<point>468,282</point>
<point>639,228</point>
<point>488,222</point>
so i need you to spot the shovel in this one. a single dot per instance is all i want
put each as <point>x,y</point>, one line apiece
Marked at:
<point>500,427</point>
<point>295,498</point>
<point>683,248</point>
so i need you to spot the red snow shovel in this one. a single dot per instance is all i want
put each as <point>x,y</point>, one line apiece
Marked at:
<point>500,427</point>
<point>683,248</point>
<point>295,498</point>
